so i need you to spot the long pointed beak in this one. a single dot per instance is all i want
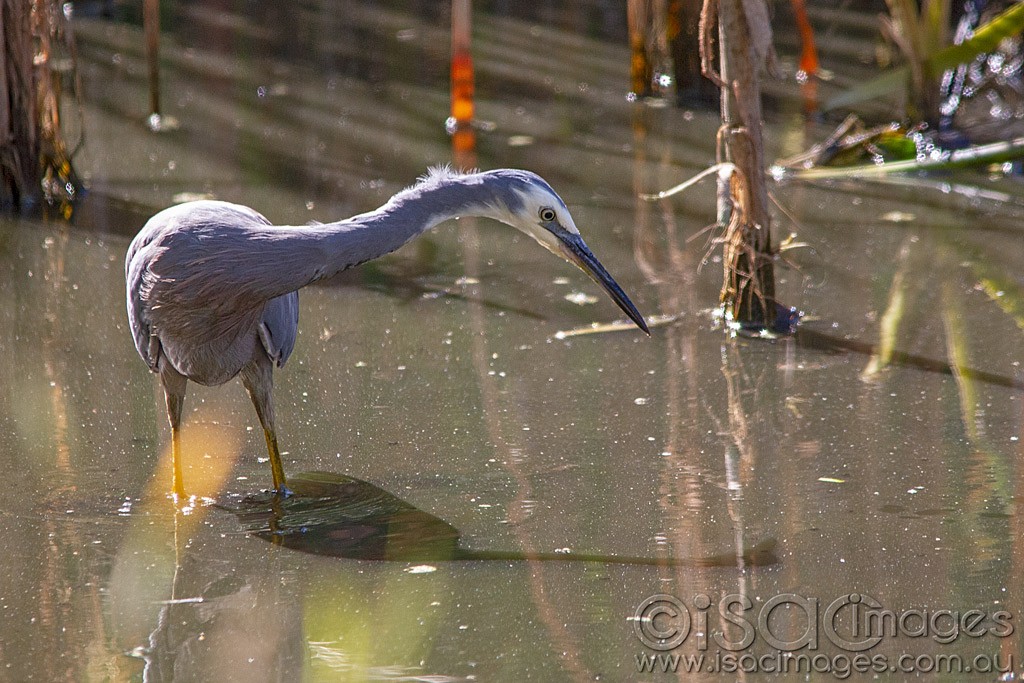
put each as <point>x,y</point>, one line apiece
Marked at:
<point>576,251</point>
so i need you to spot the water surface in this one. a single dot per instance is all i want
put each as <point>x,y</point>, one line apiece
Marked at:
<point>436,375</point>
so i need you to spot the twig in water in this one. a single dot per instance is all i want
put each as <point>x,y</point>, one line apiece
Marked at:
<point>652,321</point>
<point>724,169</point>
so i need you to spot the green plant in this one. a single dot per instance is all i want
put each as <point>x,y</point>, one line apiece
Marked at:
<point>933,59</point>
<point>920,32</point>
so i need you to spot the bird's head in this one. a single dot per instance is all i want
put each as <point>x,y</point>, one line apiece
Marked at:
<point>529,204</point>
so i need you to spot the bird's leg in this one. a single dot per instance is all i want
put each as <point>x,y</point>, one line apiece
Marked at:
<point>174,391</point>
<point>276,468</point>
<point>258,379</point>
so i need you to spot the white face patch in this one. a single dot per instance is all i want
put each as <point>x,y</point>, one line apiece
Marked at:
<point>566,221</point>
<point>544,238</point>
<point>530,218</point>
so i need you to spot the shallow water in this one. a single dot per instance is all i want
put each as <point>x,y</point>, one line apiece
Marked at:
<point>436,375</point>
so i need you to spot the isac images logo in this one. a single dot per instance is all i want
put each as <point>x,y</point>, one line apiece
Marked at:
<point>727,636</point>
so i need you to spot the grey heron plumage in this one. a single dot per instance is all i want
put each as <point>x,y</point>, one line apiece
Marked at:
<point>212,286</point>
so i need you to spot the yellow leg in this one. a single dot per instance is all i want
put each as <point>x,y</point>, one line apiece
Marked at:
<point>258,379</point>
<point>177,484</point>
<point>276,468</point>
<point>174,391</point>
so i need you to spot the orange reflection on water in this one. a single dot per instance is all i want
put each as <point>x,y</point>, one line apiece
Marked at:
<point>208,454</point>
<point>462,88</point>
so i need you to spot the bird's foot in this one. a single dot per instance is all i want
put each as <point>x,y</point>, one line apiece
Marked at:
<point>265,496</point>
<point>282,492</point>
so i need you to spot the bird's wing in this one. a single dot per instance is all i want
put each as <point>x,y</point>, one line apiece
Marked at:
<point>151,250</point>
<point>137,318</point>
<point>279,326</point>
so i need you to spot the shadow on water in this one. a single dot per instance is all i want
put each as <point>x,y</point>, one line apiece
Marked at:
<point>340,516</point>
<point>812,339</point>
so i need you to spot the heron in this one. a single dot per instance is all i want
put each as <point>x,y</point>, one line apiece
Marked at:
<point>212,287</point>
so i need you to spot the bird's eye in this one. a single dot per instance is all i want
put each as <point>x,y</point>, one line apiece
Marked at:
<point>547,215</point>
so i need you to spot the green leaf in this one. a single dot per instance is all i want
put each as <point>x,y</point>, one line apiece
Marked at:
<point>986,39</point>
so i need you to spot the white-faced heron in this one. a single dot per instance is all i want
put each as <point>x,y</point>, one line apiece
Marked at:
<point>213,287</point>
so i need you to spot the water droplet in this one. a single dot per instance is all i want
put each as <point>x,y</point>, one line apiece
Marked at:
<point>581,298</point>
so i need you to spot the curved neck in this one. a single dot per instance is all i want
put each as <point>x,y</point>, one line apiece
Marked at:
<point>284,259</point>
<point>409,213</point>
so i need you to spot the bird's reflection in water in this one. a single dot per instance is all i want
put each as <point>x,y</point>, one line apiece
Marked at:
<point>331,514</point>
<point>340,516</point>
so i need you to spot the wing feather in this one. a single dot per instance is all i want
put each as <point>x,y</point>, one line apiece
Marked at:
<point>279,327</point>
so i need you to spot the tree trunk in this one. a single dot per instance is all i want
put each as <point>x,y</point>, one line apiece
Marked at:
<point>748,290</point>
<point>34,160</point>
<point>19,139</point>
